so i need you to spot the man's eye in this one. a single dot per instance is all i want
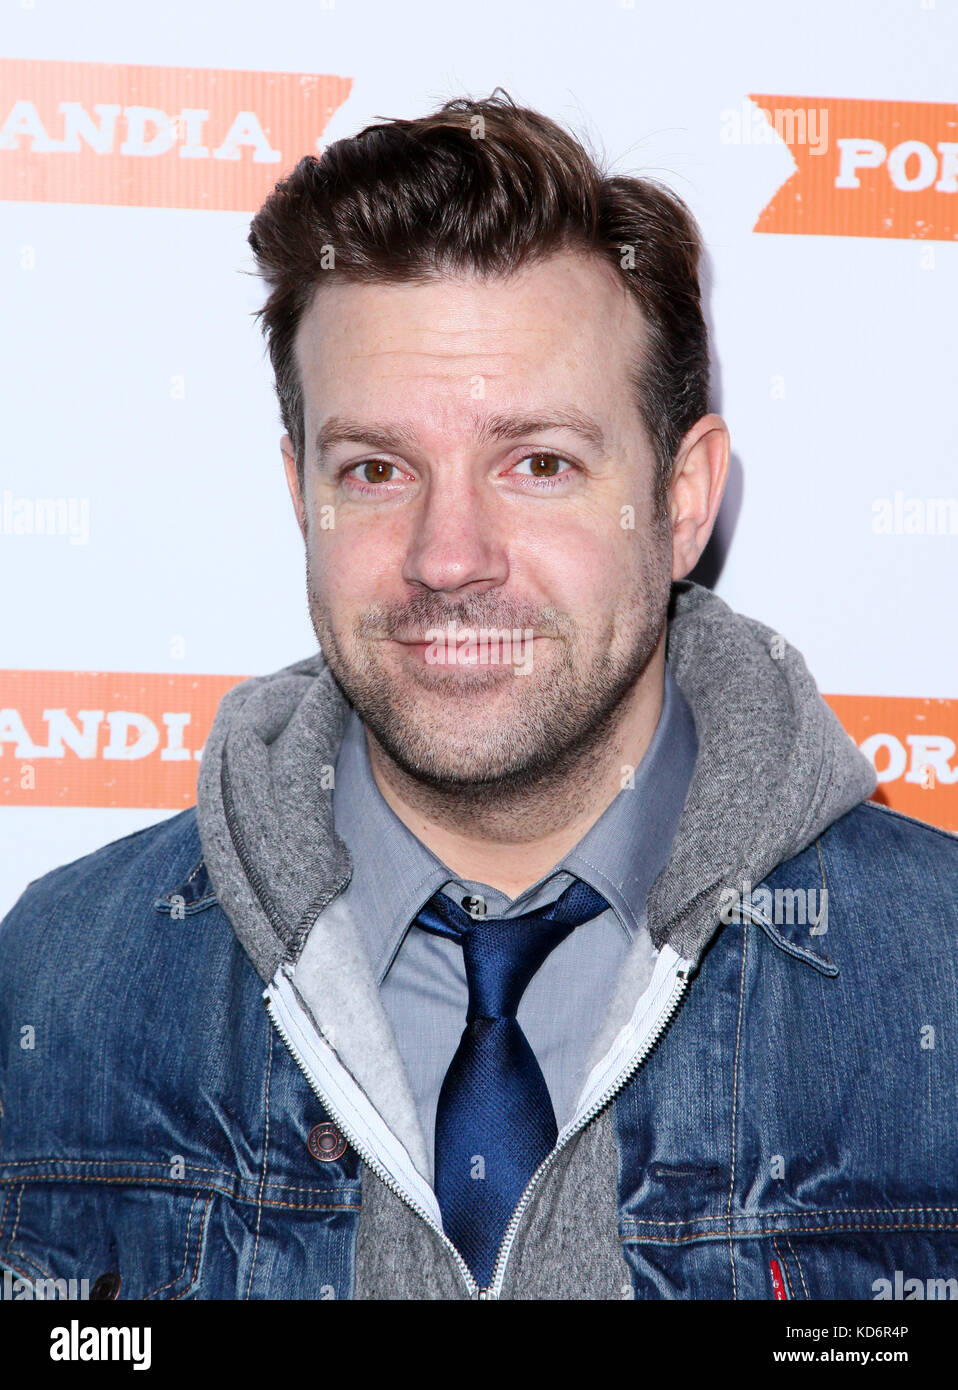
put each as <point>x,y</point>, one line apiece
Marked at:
<point>542,465</point>
<point>374,471</point>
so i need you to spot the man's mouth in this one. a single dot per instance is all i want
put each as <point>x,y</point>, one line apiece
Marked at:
<point>511,650</point>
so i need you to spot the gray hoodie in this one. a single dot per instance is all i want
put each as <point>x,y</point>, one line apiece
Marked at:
<point>774,770</point>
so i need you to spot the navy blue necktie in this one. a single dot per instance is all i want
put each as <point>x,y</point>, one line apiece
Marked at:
<point>495,1122</point>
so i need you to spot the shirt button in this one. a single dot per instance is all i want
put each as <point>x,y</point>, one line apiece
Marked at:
<point>106,1286</point>
<point>326,1143</point>
<point>475,906</point>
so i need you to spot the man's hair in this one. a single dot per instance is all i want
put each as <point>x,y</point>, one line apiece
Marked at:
<point>484,187</point>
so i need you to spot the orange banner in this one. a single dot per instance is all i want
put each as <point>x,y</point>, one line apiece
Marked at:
<point>865,168</point>
<point>156,137</point>
<point>912,744</point>
<point>92,738</point>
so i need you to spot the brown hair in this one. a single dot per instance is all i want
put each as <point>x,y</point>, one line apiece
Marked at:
<point>484,186</point>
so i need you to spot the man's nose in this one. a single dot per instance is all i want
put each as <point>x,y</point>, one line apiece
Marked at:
<point>457,538</point>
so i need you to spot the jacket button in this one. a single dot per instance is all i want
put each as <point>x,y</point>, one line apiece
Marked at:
<point>326,1143</point>
<point>106,1286</point>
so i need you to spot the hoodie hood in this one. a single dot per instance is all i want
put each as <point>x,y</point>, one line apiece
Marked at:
<point>775,766</point>
<point>774,769</point>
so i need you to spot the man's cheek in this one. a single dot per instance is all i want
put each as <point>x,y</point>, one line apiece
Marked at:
<point>364,548</point>
<point>580,571</point>
<point>347,579</point>
<point>335,564</point>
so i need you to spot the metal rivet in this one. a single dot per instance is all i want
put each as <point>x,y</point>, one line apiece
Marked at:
<point>106,1286</point>
<point>326,1143</point>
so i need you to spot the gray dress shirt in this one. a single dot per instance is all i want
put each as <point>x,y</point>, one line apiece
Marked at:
<point>422,977</point>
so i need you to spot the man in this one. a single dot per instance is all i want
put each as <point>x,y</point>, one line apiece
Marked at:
<point>589,970</point>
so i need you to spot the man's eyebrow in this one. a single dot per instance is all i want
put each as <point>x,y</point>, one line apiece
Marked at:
<point>396,438</point>
<point>512,426</point>
<point>337,430</point>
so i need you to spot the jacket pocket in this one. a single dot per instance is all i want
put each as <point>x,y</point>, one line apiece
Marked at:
<point>865,1259</point>
<point>874,1263</point>
<point>103,1240</point>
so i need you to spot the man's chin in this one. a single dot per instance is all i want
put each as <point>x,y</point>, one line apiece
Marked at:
<point>462,753</point>
<point>453,766</point>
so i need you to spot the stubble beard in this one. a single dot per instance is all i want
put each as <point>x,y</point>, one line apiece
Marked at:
<point>488,742</point>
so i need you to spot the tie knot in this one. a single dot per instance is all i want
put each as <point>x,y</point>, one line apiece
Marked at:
<point>503,953</point>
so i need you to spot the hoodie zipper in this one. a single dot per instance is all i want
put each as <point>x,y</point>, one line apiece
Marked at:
<point>494,1289</point>
<point>679,987</point>
<point>366,1156</point>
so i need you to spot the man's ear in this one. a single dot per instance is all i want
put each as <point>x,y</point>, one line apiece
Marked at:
<point>292,482</point>
<point>698,481</point>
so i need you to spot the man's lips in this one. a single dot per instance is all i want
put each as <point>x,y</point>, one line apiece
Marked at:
<point>488,653</point>
<point>432,642</point>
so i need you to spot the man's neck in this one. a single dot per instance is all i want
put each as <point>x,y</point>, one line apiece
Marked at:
<point>516,836</point>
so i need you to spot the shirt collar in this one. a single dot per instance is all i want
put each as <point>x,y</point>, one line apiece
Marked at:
<point>619,856</point>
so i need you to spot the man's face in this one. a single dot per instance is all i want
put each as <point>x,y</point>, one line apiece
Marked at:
<point>474,456</point>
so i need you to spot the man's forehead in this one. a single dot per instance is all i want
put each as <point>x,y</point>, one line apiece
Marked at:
<point>541,310</point>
